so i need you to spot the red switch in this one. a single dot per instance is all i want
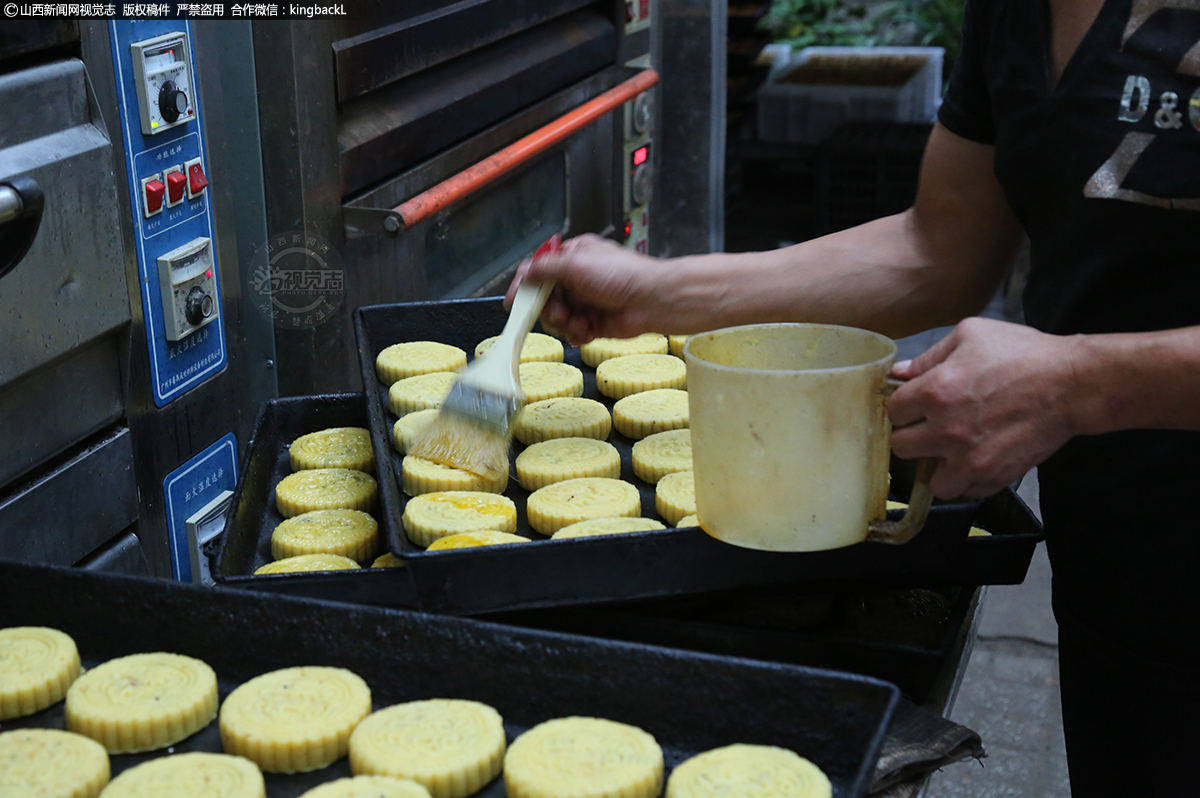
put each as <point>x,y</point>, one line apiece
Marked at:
<point>176,183</point>
<point>197,182</point>
<point>645,9</point>
<point>630,10</point>
<point>154,191</point>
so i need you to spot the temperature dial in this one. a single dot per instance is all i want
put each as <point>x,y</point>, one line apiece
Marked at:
<point>188,283</point>
<point>639,180</point>
<point>162,78</point>
<point>172,103</point>
<point>198,306</point>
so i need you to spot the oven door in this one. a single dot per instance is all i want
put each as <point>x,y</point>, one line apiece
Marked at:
<point>459,224</point>
<point>66,475</point>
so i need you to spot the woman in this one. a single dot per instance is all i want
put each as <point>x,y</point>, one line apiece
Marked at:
<point>1077,124</point>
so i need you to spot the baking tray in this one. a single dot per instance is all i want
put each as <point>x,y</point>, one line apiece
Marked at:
<point>245,544</point>
<point>724,624</point>
<point>690,702</point>
<point>648,564</point>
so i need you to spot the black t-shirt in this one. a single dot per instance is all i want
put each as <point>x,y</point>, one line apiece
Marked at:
<point>1103,170</point>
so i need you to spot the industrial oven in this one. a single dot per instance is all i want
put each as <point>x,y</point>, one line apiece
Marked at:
<point>191,211</point>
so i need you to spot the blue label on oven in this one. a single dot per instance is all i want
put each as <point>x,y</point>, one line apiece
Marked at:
<point>189,488</point>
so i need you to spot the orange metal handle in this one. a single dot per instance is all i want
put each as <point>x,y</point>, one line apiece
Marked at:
<point>469,180</point>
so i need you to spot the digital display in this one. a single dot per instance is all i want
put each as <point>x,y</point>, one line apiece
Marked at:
<point>639,155</point>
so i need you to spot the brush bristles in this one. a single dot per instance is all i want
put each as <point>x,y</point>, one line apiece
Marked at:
<point>482,406</point>
<point>457,441</point>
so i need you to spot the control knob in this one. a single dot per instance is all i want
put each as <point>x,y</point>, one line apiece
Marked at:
<point>643,184</point>
<point>643,109</point>
<point>172,103</point>
<point>198,306</point>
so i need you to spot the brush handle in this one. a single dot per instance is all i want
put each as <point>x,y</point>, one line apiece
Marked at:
<point>526,307</point>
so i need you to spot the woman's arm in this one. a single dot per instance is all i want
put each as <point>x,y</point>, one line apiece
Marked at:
<point>931,265</point>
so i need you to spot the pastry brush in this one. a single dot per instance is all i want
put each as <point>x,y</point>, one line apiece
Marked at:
<point>472,429</point>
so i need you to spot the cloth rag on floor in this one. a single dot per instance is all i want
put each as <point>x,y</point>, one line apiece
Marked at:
<point>919,742</point>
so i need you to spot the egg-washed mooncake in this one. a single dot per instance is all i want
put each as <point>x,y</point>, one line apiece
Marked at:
<point>760,770</point>
<point>349,533</point>
<point>564,503</point>
<point>324,489</point>
<point>435,515</point>
<point>598,350</point>
<point>537,348</point>
<point>470,540</point>
<point>388,560</point>
<point>37,665</point>
<point>624,376</point>
<point>675,496</point>
<point>583,758</point>
<point>541,381</point>
<point>50,763</point>
<point>295,719</point>
<point>560,459</point>
<point>308,563</point>
<point>607,526</point>
<point>414,358</point>
<point>336,447</point>
<point>423,392</point>
<point>649,412</point>
<point>142,701</point>
<point>562,417</point>
<point>419,476</point>
<point>452,747</point>
<point>193,775</point>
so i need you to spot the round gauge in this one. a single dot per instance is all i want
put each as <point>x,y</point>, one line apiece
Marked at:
<point>172,103</point>
<point>198,306</point>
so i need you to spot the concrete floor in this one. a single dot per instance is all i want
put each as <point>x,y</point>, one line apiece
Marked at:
<point>1009,693</point>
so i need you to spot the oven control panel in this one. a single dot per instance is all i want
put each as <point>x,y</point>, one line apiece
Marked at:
<point>166,162</point>
<point>638,170</point>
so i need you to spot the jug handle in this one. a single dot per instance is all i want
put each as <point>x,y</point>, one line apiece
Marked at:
<point>904,530</point>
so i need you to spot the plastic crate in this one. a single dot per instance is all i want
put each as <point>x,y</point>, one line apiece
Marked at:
<point>865,171</point>
<point>819,89</point>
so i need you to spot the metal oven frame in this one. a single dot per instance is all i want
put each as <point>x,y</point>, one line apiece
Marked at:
<point>90,489</point>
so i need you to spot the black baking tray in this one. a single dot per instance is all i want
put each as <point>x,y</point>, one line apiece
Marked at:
<point>690,702</point>
<point>724,624</point>
<point>649,564</point>
<point>245,544</point>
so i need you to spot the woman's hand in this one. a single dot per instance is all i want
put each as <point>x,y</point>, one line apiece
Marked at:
<point>990,401</point>
<point>602,289</point>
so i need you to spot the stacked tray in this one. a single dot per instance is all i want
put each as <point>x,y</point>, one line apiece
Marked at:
<point>900,644</point>
<point>689,702</point>
<point>648,564</point>
<point>245,545</point>
<point>697,623</point>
